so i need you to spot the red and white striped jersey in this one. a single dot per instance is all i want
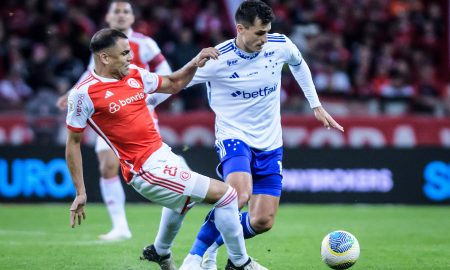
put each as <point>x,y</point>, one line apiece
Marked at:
<point>117,111</point>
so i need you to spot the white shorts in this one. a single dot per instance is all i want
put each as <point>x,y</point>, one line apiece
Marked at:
<point>166,181</point>
<point>101,145</point>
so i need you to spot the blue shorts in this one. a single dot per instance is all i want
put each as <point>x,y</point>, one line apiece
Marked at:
<point>264,166</point>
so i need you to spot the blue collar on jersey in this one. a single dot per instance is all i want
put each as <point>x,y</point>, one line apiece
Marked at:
<point>242,54</point>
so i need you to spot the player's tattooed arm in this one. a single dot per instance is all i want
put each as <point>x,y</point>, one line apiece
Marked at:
<point>178,80</point>
<point>75,164</point>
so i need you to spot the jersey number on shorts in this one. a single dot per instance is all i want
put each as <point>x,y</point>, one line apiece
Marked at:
<point>172,171</point>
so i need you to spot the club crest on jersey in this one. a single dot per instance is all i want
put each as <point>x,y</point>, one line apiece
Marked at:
<point>133,83</point>
<point>185,175</point>
<point>114,107</point>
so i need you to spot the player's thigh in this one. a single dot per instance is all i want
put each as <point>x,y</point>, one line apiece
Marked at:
<point>263,207</point>
<point>237,172</point>
<point>108,163</point>
<point>165,181</point>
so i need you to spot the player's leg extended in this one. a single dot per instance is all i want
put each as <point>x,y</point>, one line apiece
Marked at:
<point>263,205</point>
<point>112,192</point>
<point>235,167</point>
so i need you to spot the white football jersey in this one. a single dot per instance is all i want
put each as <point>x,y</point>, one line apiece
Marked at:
<point>244,90</point>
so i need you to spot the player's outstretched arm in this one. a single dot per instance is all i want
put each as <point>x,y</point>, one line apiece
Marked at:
<point>75,164</point>
<point>324,117</point>
<point>178,80</point>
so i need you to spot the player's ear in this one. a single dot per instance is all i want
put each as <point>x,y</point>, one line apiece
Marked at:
<point>104,57</point>
<point>240,28</point>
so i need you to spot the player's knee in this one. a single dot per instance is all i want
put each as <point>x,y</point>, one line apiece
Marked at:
<point>108,169</point>
<point>243,198</point>
<point>262,224</point>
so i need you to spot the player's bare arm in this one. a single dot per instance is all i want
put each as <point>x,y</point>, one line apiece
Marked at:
<point>75,164</point>
<point>178,80</point>
<point>326,119</point>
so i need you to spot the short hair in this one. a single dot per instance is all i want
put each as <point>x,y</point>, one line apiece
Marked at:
<point>120,1</point>
<point>249,10</point>
<point>105,38</point>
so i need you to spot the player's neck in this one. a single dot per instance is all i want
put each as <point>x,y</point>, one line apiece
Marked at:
<point>241,45</point>
<point>106,74</point>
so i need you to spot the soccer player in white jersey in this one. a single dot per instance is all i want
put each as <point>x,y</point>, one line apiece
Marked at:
<point>147,164</point>
<point>244,92</point>
<point>146,54</point>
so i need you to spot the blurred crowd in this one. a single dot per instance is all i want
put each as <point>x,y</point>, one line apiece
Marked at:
<point>366,56</point>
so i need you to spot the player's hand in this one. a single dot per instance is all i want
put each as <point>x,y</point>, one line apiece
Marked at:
<point>204,55</point>
<point>77,209</point>
<point>326,119</point>
<point>61,103</point>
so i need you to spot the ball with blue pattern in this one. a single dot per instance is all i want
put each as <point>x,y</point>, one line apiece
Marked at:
<point>340,250</point>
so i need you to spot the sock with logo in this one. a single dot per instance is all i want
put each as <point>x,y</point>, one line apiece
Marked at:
<point>114,198</point>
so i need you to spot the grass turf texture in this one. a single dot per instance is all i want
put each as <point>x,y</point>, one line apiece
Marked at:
<point>391,237</point>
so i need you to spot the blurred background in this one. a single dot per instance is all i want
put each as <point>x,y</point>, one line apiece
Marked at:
<point>381,68</point>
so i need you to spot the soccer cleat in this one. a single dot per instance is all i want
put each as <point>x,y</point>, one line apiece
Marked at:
<point>165,262</point>
<point>249,265</point>
<point>115,235</point>
<point>209,260</point>
<point>191,262</point>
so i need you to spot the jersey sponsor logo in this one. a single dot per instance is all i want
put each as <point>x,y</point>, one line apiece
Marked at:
<point>79,104</point>
<point>114,107</point>
<point>71,105</point>
<point>133,83</point>
<point>232,62</point>
<point>262,92</point>
<point>234,75</point>
<point>139,96</point>
<point>269,54</point>
<point>108,94</point>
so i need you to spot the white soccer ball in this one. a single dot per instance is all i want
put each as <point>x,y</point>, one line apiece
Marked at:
<point>340,250</point>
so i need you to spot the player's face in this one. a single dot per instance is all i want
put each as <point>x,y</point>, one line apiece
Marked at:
<point>119,58</point>
<point>120,16</point>
<point>253,38</point>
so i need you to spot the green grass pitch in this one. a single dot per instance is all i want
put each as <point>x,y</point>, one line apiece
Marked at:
<point>391,237</point>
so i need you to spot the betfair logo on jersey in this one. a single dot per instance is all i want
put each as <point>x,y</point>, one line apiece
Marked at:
<point>114,107</point>
<point>262,92</point>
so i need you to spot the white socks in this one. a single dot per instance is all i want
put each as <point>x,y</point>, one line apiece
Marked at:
<point>228,223</point>
<point>169,226</point>
<point>114,198</point>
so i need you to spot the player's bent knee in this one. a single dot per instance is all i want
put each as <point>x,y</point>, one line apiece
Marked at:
<point>262,224</point>
<point>216,191</point>
<point>243,198</point>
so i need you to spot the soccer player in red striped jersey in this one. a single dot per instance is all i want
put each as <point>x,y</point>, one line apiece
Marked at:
<point>145,54</point>
<point>111,100</point>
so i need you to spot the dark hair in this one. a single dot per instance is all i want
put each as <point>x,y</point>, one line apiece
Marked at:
<point>105,38</point>
<point>120,1</point>
<point>248,11</point>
